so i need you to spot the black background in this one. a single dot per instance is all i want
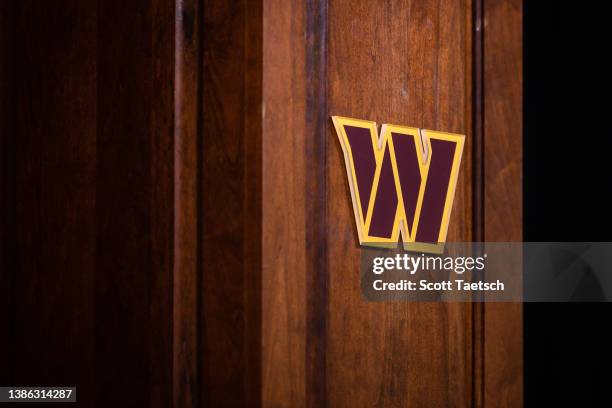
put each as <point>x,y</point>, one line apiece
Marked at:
<point>567,191</point>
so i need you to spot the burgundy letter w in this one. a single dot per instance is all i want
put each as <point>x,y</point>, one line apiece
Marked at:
<point>401,182</point>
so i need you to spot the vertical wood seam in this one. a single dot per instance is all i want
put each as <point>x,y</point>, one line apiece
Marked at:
<point>478,310</point>
<point>186,255</point>
<point>252,128</point>
<point>316,201</point>
<point>200,315</point>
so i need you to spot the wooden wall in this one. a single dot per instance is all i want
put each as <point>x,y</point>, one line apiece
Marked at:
<point>407,63</point>
<point>87,191</point>
<point>425,64</point>
<point>502,120</point>
<point>175,211</point>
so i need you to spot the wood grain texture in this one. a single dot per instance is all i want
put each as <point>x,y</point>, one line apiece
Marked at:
<point>407,63</point>
<point>316,238</point>
<point>284,218</point>
<point>478,308</point>
<point>134,201</point>
<point>187,199</point>
<point>503,152</point>
<point>253,200</point>
<point>231,204</point>
<point>92,130</point>
<point>53,330</point>
<point>503,68</point>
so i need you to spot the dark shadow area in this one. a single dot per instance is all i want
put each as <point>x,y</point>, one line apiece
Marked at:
<point>567,192</point>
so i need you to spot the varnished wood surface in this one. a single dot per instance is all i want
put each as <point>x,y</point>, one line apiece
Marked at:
<point>407,63</point>
<point>92,187</point>
<point>316,238</point>
<point>231,204</point>
<point>133,202</point>
<point>503,203</point>
<point>284,253</point>
<point>372,338</point>
<point>186,361</point>
<point>53,329</point>
<point>415,86</point>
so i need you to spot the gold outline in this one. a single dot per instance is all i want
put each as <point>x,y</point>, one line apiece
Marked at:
<point>380,142</point>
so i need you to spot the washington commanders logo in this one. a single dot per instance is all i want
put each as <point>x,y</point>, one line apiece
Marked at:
<point>402,182</point>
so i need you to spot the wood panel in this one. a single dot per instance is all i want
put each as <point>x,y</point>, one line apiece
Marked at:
<point>294,222</point>
<point>503,184</point>
<point>408,63</point>
<point>90,176</point>
<point>186,364</point>
<point>316,238</point>
<point>134,201</point>
<point>382,55</point>
<point>231,203</point>
<point>54,194</point>
<point>284,253</point>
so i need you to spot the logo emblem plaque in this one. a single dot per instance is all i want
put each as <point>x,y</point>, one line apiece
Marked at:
<point>402,182</point>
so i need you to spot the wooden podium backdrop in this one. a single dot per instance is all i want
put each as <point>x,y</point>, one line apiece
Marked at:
<point>176,225</point>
